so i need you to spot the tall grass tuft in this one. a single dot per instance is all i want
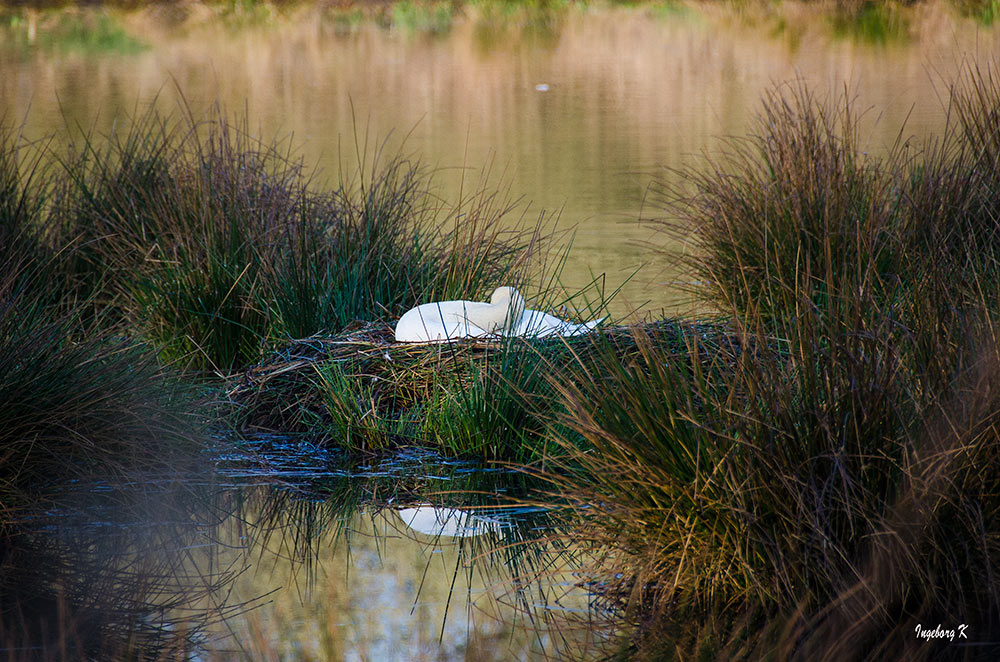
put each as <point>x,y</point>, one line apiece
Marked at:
<point>496,408</point>
<point>220,245</point>
<point>824,481</point>
<point>178,215</point>
<point>78,408</point>
<point>20,199</point>
<point>80,405</point>
<point>797,209</point>
<point>69,400</point>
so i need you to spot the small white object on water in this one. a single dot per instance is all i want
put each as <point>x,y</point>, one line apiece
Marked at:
<point>447,522</point>
<point>542,87</point>
<point>505,314</point>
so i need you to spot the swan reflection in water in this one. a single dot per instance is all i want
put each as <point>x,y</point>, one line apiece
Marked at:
<point>447,522</point>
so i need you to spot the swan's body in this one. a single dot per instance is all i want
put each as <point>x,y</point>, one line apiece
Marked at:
<point>445,320</point>
<point>505,314</point>
<point>536,324</point>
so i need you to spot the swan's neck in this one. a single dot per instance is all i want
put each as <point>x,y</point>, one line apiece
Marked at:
<point>501,314</point>
<point>510,301</point>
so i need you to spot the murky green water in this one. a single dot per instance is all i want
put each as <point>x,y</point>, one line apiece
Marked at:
<point>576,108</point>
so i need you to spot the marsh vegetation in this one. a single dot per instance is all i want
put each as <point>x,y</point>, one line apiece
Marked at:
<point>826,483</point>
<point>140,272</point>
<point>195,334</point>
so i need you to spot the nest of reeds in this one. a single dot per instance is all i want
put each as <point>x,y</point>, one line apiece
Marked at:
<point>284,393</point>
<point>362,381</point>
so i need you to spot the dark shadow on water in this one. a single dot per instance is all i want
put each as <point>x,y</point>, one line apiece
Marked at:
<point>111,571</point>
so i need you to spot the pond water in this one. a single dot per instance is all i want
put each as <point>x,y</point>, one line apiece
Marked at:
<point>576,108</point>
<point>411,558</point>
<point>283,550</point>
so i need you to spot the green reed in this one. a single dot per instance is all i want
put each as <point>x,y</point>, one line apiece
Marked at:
<point>495,408</point>
<point>805,486</point>
<point>81,402</point>
<point>219,246</point>
<point>73,397</point>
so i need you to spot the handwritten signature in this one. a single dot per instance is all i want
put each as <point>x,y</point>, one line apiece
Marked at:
<point>941,633</point>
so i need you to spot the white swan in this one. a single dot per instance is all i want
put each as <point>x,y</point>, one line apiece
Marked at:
<point>446,320</point>
<point>504,314</point>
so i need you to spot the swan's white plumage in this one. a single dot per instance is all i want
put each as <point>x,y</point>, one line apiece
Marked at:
<point>444,320</point>
<point>536,324</point>
<point>504,314</point>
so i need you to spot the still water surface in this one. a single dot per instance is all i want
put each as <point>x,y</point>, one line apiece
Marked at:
<point>578,109</point>
<point>415,557</point>
<point>283,550</point>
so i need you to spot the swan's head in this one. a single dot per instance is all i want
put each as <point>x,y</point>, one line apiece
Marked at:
<point>510,301</point>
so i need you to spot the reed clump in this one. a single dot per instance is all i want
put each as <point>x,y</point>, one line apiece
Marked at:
<point>81,403</point>
<point>87,400</point>
<point>827,483</point>
<point>220,247</point>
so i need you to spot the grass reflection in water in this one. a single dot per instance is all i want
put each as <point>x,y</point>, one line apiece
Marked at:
<point>283,550</point>
<point>356,581</point>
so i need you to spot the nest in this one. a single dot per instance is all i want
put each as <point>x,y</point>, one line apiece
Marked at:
<point>373,380</point>
<point>284,393</point>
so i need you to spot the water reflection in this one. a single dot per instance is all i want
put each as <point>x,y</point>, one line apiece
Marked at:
<point>377,594</point>
<point>630,91</point>
<point>435,522</point>
<point>357,564</point>
<point>110,571</point>
<point>282,550</point>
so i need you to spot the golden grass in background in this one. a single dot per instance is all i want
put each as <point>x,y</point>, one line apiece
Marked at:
<point>631,90</point>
